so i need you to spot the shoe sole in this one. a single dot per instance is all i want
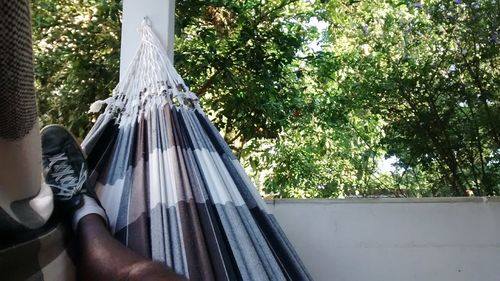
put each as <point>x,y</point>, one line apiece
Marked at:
<point>70,133</point>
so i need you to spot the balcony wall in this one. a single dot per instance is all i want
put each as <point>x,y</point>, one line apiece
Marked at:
<point>433,239</point>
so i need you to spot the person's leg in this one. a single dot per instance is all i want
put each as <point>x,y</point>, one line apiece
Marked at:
<point>104,258</point>
<point>33,242</point>
<point>24,202</point>
<point>101,256</point>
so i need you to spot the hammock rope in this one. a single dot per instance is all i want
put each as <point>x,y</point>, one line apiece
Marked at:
<point>171,186</point>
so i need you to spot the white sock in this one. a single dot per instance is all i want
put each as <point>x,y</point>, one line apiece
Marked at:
<point>89,207</point>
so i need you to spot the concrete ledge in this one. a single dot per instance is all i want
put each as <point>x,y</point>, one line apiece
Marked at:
<point>386,200</point>
<point>395,239</point>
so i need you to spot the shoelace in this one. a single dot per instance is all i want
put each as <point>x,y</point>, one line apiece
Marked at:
<point>68,185</point>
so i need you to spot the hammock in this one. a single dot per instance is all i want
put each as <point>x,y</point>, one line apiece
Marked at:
<point>172,188</point>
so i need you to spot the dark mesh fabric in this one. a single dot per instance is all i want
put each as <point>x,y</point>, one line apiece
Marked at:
<point>17,94</point>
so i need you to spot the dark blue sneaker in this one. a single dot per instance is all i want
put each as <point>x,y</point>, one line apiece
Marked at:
<point>65,168</point>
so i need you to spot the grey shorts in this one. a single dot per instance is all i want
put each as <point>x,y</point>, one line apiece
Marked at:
<point>31,249</point>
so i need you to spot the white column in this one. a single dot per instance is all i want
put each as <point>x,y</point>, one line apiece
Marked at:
<point>162,16</point>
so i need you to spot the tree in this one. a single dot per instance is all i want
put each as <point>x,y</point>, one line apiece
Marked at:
<point>428,74</point>
<point>431,71</point>
<point>311,95</point>
<point>239,56</point>
<point>76,48</point>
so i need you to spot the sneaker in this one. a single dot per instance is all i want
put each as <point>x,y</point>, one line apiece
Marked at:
<point>65,168</point>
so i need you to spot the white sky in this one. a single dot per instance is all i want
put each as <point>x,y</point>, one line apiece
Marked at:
<point>321,26</point>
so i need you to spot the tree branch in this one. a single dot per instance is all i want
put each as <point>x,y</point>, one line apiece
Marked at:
<point>203,89</point>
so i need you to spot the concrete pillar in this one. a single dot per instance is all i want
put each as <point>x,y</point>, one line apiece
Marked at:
<point>162,16</point>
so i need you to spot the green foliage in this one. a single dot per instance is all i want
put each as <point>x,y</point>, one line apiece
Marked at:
<point>311,111</point>
<point>239,56</point>
<point>431,73</point>
<point>428,73</point>
<point>76,58</point>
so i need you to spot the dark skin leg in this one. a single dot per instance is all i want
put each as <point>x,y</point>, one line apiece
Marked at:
<point>104,258</point>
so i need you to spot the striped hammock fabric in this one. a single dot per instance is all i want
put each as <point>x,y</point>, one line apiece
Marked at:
<point>172,188</point>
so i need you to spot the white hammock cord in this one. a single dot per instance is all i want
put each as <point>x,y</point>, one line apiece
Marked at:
<point>149,74</point>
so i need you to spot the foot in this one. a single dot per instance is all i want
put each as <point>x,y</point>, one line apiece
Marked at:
<point>65,168</point>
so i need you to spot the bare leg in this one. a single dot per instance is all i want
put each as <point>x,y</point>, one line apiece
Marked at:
<point>23,200</point>
<point>104,258</point>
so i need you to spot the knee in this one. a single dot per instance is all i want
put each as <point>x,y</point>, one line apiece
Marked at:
<point>145,271</point>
